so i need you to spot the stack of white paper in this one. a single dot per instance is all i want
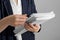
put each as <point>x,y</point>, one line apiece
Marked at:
<point>37,18</point>
<point>43,17</point>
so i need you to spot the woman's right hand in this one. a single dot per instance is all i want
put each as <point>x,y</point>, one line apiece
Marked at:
<point>16,20</point>
<point>13,20</point>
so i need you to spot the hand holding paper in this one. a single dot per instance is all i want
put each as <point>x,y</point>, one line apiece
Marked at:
<point>37,18</point>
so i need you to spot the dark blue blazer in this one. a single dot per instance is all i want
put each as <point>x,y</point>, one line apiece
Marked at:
<point>28,7</point>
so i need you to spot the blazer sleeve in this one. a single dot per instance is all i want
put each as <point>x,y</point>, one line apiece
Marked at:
<point>1,16</point>
<point>0,9</point>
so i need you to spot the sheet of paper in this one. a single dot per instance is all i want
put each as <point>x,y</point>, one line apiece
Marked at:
<point>39,18</point>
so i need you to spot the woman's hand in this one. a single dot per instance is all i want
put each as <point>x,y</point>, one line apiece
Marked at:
<point>13,20</point>
<point>32,27</point>
<point>16,20</point>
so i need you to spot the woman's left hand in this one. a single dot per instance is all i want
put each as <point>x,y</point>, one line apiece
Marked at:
<point>32,27</point>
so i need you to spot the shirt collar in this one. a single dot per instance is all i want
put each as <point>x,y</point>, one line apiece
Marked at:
<point>13,2</point>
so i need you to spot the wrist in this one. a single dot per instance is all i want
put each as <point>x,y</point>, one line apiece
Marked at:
<point>6,20</point>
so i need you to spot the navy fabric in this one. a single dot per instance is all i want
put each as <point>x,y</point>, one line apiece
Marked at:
<point>28,36</point>
<point>28,8</point>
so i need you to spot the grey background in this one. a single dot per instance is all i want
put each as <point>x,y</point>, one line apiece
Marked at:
<point>51,29</point>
